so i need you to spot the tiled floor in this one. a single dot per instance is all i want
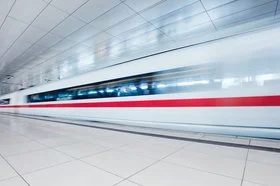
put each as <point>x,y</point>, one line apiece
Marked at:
<point>42,153</point>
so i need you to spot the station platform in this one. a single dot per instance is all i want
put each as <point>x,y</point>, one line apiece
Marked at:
<point>36,151</point>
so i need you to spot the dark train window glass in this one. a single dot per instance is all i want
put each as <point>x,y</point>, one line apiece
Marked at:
<point>4,101</point>
<point>197,78</point>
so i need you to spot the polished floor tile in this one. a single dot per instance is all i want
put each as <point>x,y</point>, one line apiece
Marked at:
<point>13,182</point>
<point>12,139</point>
<point>57,141</point>
<point>72,174</point>
<point>165,142</point>
<point>219,165</point>
<point>127,183</point>
<point>119,163</point>
<point>19,148</point>
<point>37,160</point>
<point>246,183</point>
<point>264,157</point>
<point>151,151</point>
<point>6,170</point>
<point>165,174</point>
<point>218,150</point>
<point>110,143</point>
<point>81,149</point>
<point>53,154</point>
<point>266,174</point>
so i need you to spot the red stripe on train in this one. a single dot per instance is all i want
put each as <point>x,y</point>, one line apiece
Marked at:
<point>255,101</point>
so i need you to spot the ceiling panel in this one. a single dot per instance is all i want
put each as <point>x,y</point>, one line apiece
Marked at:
<point>80,48</point>
<point>141,5</point>
<point>245,15</point>
<point>121,49</point>
<point>144,28</point>
<point>210,4</point>
<point>112,17</point>
<point>84,33</point>
<point>126,25</point>
<point>164,8</point>
<point>17,49</point>
<point>68,26</point>
<point>184,26</point>
<point>6,6</point>
<point>147,38</point>
<point>37,60</point>
<point>49,18</point>
<point>64,44</point>
<point>189,32</point>
<point>33,34</point>
<point>68,6</point>
<point>34,50</point>
<point>251,19</point>
<point>234,7</point>
<point>180,14</point>
<point>49,40</point>
<point>29,13</point>
<point>99,38</point>
<point>93,9</point>
<point>49,53</point>
<point>75,51</point>
<point>10,30</point>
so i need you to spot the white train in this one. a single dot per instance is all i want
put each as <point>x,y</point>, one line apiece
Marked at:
<point>230,86</point>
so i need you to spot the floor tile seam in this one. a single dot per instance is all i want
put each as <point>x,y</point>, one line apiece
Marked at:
<point>132,154</point>
<point>217,155</point>
<point>118,146</point>
<point>80,142</point>
<point>18,134</point>
<point>9,178</point>
<point>37,141</point>
<point>201,170</point>
<point>244,169</point>
<point>92,154</point>
<point>139,154</point>
<point>75,158</point>
<point>116,184</point>
<point>265,163</point>
<point>51,146</point>
<point>14,143</point>
<point>11,166</point>
<point>19,154</point>
<point>99,168</point>
<point>46,167</point>
<point>154,163</point>
<point>261,184</point>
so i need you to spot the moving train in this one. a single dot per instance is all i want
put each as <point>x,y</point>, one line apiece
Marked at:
<point>230,86</point>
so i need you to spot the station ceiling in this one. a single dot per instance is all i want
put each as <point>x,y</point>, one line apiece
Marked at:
<point>48,40</point>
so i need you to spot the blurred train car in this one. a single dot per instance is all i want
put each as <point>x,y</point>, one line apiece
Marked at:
<point>229,86</point>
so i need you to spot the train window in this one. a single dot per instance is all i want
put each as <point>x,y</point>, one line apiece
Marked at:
<point>4,101</point>
<point>65,96</point>
<point>164,82</point>
<point>187,79</point>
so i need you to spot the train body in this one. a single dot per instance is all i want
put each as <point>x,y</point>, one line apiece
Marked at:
<point>230,86</point>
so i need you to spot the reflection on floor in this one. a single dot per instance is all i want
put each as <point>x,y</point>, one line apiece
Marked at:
<point>42,153</point>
